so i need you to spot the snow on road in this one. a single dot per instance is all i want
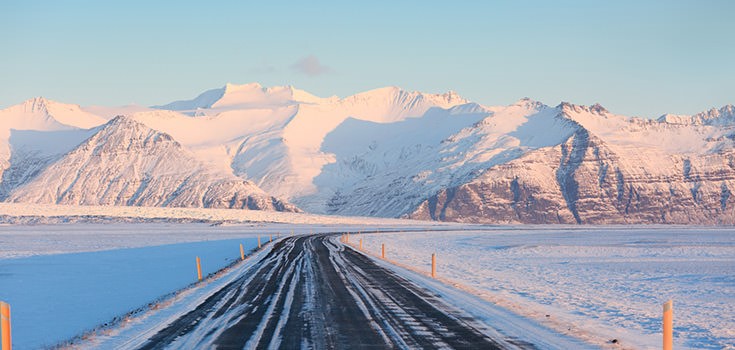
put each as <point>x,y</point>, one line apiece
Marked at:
<point>63,279</point>
<point>94,272</point>
<point>596,283</point>
<point>310,292</point>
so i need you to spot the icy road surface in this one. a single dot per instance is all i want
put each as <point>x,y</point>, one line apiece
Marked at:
<point>314,292</point>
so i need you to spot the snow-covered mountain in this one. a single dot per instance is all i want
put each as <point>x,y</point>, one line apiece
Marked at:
<point>34,133</point>
<point>385,152</point>
<point>612,169</point>
<point>127,163</point>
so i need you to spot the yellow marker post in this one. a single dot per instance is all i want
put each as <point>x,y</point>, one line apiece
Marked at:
<point>242,252</point>
<point>360,243</point>
<point>258,241</point>
<point>668,325</point>
<point>199,268</point>
<point>383,255</point>
<point>5,339</point>
<point>433,265</point>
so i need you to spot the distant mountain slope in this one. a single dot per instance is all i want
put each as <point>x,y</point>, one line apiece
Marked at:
<point>386,152</point>
<point>273,136</point>
<point>40,114</point>
<point>127,163</point>
<point>638,172</point>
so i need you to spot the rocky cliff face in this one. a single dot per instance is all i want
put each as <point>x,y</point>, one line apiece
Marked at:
<point>127,163</point>
<point>585,181</point>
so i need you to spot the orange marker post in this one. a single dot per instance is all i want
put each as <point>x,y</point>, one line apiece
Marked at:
<point>433,265</point>
<point>5,326</point>
<point>668,325</point>
<point>383,245</point>
<point>360,243</point>
<point>242,252</point>
<point>199,268</point>
<point>347,238</point>
<point>258,241</point>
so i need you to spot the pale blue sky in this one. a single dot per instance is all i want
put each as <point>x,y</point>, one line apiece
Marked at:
<point>640,57</point>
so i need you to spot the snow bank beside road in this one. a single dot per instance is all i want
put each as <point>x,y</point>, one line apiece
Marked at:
<point>55,297</point>
<point>596,283</point>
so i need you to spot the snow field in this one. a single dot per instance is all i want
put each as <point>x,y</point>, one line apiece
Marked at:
<point>57,296</point>
<point>50,211</point>
<point>596,284</point>
<point>90,274</point>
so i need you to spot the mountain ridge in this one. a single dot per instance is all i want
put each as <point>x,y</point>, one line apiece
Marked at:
<point>396,153</point>
<point>127,163</point>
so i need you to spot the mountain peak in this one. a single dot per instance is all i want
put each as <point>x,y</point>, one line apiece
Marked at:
<point>598,109</point>
<point>727,111</point>
<point>529,103</point>
<point>128,130</point>
<point>724,115</point>
<point>42,113</point>
<point>230,87</point>
<point>395,93</point>
<point>573,108</point>
<point>36,105</point>
<point>251,95</point>
<point>122,120</point>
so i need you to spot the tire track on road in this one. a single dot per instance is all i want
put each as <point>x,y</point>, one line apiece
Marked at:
<point>311,292</point>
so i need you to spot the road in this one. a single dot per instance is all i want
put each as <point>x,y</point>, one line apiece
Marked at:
<point>311,292</point>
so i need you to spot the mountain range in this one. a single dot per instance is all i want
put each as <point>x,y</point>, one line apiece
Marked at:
<point>386,152</point>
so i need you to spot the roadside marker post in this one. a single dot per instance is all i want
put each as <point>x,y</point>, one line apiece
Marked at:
<point>433,265</point>
<point>242,252</point>
<point>270,238</point>
<point>347,238</point>
<point>383,248</point>
<point>199,269</point>
<point>258,241</point>
<point>668,325</point>
<point>360,244</point>
<point>5,326</point>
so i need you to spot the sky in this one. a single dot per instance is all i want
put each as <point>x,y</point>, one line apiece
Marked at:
<point>642,58</point>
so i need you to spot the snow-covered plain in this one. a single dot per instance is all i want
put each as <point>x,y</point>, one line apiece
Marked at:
<point>64,279</point>
<point>49,213</point>
<point>596,283</point>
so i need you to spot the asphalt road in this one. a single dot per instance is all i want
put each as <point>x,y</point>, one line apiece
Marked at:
<point>311,292</point>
